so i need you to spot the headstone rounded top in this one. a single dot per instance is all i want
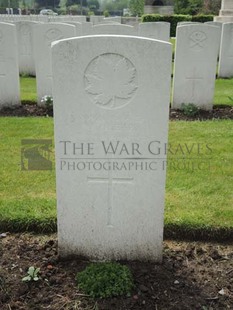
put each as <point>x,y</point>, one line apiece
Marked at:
<point>53,34</point>
<point>110,81</point>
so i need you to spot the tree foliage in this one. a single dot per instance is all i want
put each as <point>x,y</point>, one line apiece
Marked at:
<point>93,4</point>
<point>194,7</point>
<point>46,3</point>
<point>76,2</point>
<point>191,7</point>
<point>118,5</point>
<point>9,4</point>
<point>212,6</point>
<point>136,7</point>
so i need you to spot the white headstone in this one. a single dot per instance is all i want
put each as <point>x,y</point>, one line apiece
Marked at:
<point>155,30</point>
<point>96,19</point>
<point>86,28</point>
<point>44,35</point>
<point>25,47</point>
<point>226,52</point>
<point>115,19</point>
<point>78,18</point>
<point>187,23</point>
<point>213,23</point>
<point>114,29</point>
<point>216,24</point>
<point>111,201</point>
<point>78,27</point>
<point>9,69</point>
<point>195,65</point>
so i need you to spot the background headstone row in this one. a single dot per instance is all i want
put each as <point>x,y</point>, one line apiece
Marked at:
<point>25,48</point>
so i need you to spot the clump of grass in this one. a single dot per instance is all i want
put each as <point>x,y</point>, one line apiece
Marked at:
<point>189,109</point>
<point>103,280</point>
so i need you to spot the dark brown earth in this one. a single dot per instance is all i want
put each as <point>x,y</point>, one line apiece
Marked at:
<point>193,275</point>
<point>218,112</point>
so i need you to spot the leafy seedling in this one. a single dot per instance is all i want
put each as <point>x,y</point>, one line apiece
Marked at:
<point>32,274</point>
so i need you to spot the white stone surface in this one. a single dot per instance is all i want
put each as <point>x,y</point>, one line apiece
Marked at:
<point>80,19</point>
<point>96,19</point>
<point>25,47</point>
<point>226,12</point>
<point>86,28</point>
<point>187,23</point>
<point>227,8</point>
<point>44,35</point>
<point>114,29</point>
<point>106,92</point>
<point>226,52</point>
<point>115,19</point>
<point>195,65</point>
<point>9,68</point>
<point>78,27</point>
<point>155,30</point>
<point>227,5</point>
<point>223,19</point>
<point>213,23</point>
<point>216,24</point>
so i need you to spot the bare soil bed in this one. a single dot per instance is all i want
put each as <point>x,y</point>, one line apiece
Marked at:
<point>218,112</point>
<point>193,275</point>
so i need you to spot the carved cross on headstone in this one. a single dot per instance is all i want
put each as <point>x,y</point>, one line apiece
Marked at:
<point>195,80</point>
<point>110,181</point>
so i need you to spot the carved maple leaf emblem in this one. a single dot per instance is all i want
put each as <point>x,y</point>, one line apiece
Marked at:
<point>111,80</point>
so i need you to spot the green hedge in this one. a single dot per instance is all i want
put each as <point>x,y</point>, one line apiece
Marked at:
<point>202,18</point>
<point>175,19</point>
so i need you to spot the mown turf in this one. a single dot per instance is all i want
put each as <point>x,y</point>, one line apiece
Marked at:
<point>199,196</point>
<point>200,184</point>
<point>28,89</point>
<point>27,198</point>
<point>223,91</point>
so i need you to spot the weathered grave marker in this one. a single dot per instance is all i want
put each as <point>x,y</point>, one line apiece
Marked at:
<point>25,47</point>
<point>226,52</point>
<point>9,69</point>
<point>155,30</point>
<point>44,35</point>
<point>195,65</point>
<point>117,29</point>
<point>111,118</point>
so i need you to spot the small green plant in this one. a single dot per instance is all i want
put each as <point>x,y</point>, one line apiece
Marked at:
<point>32,274</point>
<point>102,280</point>
<point>90,13</point>
<point>48,102</point>
<point>231,98</point>
<point>189,109</point>
<point>106,13</point>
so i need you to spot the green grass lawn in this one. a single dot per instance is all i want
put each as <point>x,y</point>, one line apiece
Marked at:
<point>223,90</point>
<point>200,199</point>
<point>28,89</point>
<point>27,198</point>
